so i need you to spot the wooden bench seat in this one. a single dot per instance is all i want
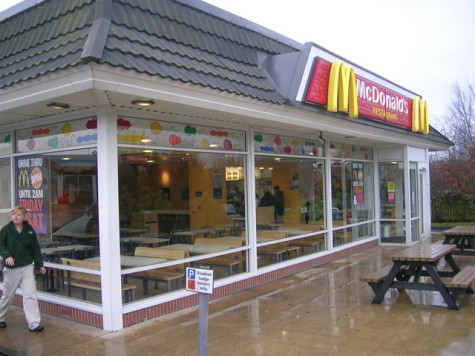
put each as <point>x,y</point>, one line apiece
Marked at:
<point>376,278</point>
<point>315,243</point>
<point>461,282</point>
<point>274,251</point>
<point>165,274</point>
<point>87,281</point>
<point>231,261</point>
<point>278,251</point>
<point>233,265</point>
<point>463,279</point>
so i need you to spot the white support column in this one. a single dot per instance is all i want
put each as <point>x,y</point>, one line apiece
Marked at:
<point>109,230</point>
<point>328,197</point>
<point>376,193</point>
<point>251,206</point>
<point>407,196</point>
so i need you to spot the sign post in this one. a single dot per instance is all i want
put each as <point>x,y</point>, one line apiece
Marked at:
<point>201,281</point>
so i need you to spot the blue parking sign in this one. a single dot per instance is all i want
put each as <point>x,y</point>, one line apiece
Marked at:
<point>199,280</point>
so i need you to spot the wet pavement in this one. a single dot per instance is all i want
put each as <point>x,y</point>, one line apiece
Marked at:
<point>321,311</point>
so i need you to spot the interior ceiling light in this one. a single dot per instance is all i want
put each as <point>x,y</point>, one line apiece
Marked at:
<point>58,106</point>
<point>143,103</point>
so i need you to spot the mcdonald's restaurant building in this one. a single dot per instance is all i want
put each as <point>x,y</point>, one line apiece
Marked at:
<point>147,137</point>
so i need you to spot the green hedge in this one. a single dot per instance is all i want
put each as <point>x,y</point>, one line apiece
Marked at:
<point>452,210</point>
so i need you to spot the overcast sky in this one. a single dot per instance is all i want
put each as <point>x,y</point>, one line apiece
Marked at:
<point>425,46</point>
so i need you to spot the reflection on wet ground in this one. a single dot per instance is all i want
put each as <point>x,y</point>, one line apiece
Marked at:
<point>321,311</point>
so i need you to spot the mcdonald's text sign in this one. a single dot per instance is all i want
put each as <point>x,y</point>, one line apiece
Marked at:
<point>336,86</point>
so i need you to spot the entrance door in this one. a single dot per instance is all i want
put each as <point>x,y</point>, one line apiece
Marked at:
<point>415,201</point>
<point>393,221</point>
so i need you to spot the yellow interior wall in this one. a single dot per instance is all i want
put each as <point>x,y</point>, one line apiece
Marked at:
<point>282,176</point>
<point>204,209</point>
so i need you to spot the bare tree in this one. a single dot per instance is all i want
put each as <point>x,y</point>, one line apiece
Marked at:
<point>458,168</point>
<point>459,124</point>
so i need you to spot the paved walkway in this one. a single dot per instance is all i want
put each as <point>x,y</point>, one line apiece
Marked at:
<point>322,311</point>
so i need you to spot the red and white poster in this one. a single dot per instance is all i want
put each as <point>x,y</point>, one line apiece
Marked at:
<point>358,184</point>
<point>31,191</point>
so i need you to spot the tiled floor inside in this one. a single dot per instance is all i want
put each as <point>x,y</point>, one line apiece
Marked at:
<point>322,311</point>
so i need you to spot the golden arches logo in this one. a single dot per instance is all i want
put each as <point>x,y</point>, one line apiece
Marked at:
<point>420,116</point>
<point>342,90</point>
<point>23,179</point>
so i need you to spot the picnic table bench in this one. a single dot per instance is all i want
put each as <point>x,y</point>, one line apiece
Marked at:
<point>419,261</point>
<point>463,237</point>
<point>376,278</point>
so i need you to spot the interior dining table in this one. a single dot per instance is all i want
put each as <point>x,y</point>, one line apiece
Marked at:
<point>190,236</point>
<point>51,251</point>
<point>147,241</point>
<point>129,231</point>
<point>81,237</point>
<point>134,261</point>
<point>50,280</point>
<point>197,249</point>
<point>243,238</point>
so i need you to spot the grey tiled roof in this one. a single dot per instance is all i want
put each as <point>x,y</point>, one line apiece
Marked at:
<point>165,38</point>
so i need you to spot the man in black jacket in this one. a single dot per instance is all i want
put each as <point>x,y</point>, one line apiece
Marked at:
<point>278,205</point>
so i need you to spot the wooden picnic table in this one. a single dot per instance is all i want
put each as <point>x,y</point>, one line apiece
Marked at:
<point>463,237</point>
<point>419,261</point>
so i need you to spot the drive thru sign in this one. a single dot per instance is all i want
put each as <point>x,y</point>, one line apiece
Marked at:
<point>199,280</point>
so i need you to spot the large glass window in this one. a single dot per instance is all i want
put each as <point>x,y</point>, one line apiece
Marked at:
<point>60,192</point>
<point>5,178</point>
<point>290,207</point>
<point>5,190</point>
<point>352,193</point>
<point>177,205</point>
<point>290,203</point>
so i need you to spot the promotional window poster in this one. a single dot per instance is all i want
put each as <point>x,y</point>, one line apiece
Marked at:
<point>31,191</point>
<point>358,184</point>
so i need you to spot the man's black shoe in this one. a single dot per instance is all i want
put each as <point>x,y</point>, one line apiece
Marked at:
<point>38,328</point>
<point>3,324</point>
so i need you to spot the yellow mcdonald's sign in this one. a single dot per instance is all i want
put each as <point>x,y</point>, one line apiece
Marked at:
<point>342,90</point>
<point>23,179</point>
<point>420,116</point>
